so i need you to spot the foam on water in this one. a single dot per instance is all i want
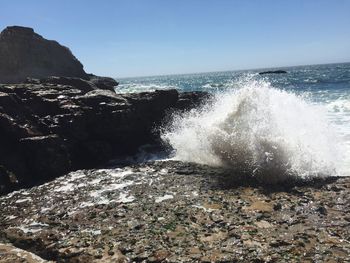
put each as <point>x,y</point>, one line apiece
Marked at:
<point>340,105</point>
<point>135,87</point>
<point>259,130</point>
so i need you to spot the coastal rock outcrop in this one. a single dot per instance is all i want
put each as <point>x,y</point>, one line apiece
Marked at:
<point>25,56</point>
<point>54,125</point>
<point>54,117</point>
<point>24,53</point>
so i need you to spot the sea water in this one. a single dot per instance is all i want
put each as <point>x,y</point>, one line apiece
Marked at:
<point>272,126</point>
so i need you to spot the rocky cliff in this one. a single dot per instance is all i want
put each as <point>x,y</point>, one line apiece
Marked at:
<point>24,53</point>
<point>54,117</point>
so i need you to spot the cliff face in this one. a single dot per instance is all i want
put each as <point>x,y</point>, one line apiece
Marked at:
<point>24,53</point>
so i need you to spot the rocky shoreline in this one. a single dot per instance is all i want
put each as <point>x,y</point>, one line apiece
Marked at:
<point>55,120</point>
<point>170,211</point>
<point>54,125</point>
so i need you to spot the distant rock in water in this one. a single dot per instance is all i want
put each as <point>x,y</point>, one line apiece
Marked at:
<point>24,53</point>
<point>273,72</point>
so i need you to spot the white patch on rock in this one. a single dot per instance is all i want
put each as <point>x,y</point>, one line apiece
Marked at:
<point>125,198</point>
<point>33,227</point>
<point>19,201</point>
<point>65,188</point>
<point>163,198</point>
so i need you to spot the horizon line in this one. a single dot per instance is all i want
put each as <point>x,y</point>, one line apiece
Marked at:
<point>234,70</point>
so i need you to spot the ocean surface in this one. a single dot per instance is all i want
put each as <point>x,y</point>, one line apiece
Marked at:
<point>277,124</point>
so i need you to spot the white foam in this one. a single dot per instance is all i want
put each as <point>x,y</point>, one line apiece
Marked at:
<point>340,105</point>
<point>67,187</point>
<point>19,201</point>
<point>33,227</point>
<point>260,130</point>
<point>125,198</point>
<point>163,198</point>
<point>136,87</point>
<point>91,231</point>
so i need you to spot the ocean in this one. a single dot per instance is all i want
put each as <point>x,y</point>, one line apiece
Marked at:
<point>293,124</point>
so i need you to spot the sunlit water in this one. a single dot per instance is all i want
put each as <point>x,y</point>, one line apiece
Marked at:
<point>294,124</point>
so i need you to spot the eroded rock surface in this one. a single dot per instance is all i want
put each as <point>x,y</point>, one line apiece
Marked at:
<point>54,125</point>
<point>24,53</point>
<point>178,212</point>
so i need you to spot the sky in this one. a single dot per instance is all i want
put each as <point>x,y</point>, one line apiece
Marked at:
<point>125,38</point>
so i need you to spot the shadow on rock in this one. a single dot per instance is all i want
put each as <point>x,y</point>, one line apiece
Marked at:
<point>224,179</point>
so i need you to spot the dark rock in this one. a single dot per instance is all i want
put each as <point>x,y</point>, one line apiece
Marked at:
<point>8,180</point>
<point>46,156</point>
<point>63,124</point>
<point>61,118</point>
<point>192,99</point>
<point>277,206</point>
<point>322,210</point>
<point>25,53</point>
<point>103,82</point>
<point>78,83</point>
<point>273,72</point>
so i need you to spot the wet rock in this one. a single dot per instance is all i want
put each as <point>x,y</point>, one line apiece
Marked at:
<point>277,206</point>
<point>322,210</point>
<point>81,84</point>
<point>66,123</point>
<point>105,83</point>
<point>112,214</point>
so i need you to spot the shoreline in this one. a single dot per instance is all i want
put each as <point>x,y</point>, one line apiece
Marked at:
<point>177,212</point>
<point>55,125</point>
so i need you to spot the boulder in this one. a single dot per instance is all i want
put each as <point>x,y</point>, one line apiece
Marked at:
<point>25,53</point>
<point>103,82</point>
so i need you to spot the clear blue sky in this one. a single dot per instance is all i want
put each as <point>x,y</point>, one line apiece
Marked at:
<point>153,37</point>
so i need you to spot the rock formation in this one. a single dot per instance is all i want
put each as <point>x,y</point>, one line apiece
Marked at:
<point>24,53</point>
<point>53,125</point>
<point>59,118</point>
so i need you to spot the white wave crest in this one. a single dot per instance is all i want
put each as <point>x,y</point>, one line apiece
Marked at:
<point>340,105</point>
<point>134,87</point>
<point>257,129</point>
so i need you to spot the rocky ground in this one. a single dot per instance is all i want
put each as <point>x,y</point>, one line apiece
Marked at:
<point>175,212</point>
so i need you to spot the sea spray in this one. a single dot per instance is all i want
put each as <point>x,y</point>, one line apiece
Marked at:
<point>259,130</point>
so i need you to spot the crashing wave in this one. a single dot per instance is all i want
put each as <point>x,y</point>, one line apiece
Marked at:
<point>260,130</point>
